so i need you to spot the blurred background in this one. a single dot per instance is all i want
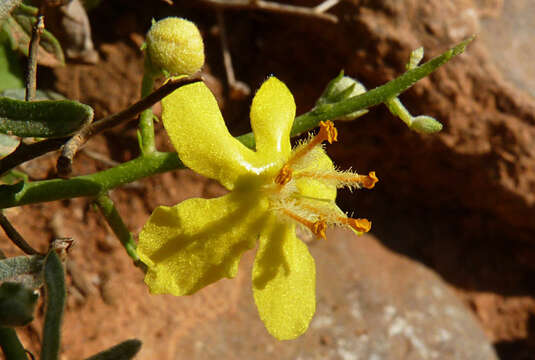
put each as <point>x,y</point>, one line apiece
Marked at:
<point>448,270</point>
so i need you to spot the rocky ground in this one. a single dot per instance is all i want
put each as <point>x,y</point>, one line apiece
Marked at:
<point>447,272</point>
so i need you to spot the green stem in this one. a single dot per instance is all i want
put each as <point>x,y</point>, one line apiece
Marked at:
<point>114,220</point>
<point>88,185</point>
<point>158,162</point>
<point>398,109</point>
<point>10,344</point>
<point>146,123</point>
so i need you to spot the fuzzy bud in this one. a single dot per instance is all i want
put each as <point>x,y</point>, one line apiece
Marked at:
<point>425,125</point>
<point>174,46</point>
<point>341,88</point>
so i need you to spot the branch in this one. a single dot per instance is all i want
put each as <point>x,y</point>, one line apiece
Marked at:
<point>277,8</point>
<point>27,152</point>
<point>71,147</point>
<point>31,75</point>
<point>15,237</point>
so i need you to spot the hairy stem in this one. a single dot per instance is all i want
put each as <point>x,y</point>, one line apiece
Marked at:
<point>146,122</point>
<point>116,223</point>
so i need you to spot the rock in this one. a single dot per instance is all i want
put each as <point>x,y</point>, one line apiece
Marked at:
<point>489,122</point>
<point>372,304</point>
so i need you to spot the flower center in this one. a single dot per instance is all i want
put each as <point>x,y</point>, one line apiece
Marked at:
<point>314,212</point>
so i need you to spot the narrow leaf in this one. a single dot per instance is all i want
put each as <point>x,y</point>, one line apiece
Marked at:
<point>123,351</point>
<point>55,304</point>
<point>45,119</point>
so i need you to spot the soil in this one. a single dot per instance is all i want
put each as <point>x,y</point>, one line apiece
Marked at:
<point>461,202</point>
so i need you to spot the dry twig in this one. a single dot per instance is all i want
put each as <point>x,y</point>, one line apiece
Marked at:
<point>238,89</point>
<point>31,75</point>
<point>64,165</point>
<point>15,237</point>
<point>317,12</point>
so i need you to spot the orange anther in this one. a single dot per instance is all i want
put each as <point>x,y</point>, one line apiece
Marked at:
<point>284,176</point>
<point>369,181</point>
<point>328,132</point>
<point>318,228</point>
<point>360,225</point>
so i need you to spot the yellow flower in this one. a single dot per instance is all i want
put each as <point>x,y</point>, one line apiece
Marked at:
<point>272,190</point>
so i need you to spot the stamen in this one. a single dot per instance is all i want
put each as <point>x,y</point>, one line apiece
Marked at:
<point>317,227</point>
<point>284,176</point>
<point>327,133</point>
<point>343,178</point>
<point>360,225</point>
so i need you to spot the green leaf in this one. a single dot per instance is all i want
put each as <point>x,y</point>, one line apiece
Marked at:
<point>55,304</point>
<point>23,269</point>
<point>19,26</point>
<point>44,119</point>
<point>17,304</point>
<point>11,72</point>
<point>123,351</point>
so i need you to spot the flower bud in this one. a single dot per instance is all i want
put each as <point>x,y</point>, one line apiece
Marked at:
<point>174,47</point>
<point>425,125</point>
<point>341,88</point>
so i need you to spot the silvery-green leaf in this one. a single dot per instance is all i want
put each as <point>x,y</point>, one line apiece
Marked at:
<point>27,270</point>
<point>44,119</point>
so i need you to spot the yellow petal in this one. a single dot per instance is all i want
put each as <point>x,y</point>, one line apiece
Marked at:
<point>272,117</point>
<point>284,280</point>
<point>198,241</point>
<point>198,132</point>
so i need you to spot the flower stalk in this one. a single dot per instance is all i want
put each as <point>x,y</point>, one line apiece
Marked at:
<point>116,223</point>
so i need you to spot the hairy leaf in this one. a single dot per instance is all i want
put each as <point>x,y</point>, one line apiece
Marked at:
<point>55,304</point>
<point>23,269</point>
<point>45,119</point>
